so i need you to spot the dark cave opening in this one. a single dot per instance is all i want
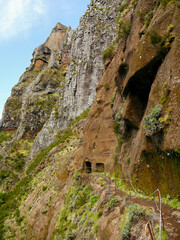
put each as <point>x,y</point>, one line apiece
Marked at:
<point>137,91</point>
<point>87,167</point>
<point>123,69</point>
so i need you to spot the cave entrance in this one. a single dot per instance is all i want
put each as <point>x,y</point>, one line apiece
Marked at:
<point>88,167</point>
<point>137,92</point>
<point>100,167</point>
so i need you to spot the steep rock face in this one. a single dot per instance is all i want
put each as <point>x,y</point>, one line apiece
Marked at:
<point>33,98</point>
<point>97,29</point>
<point>53,43</point>
<point>95,32</point>
<point>123,138</point>
<point>99,138</point>
<point>151,158</point>
<point>147,76</point>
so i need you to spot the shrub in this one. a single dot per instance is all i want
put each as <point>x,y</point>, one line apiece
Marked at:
<point>151,121</point>
<point>140,14</point>
<point>106,86</point>
<point>44,211</point>
<point>133,215</point>
<point>19,162</point>
<point>166,119</point>
<point>113,97</point>
<point>109,52</point>
<point>155,37</point>
<point>2,198</point>
<point>123,7</point>
<point>44,188</point>
<point>163,43</point>
<point>116,127</point>
<point>164,94</point>
<point>128,159</point>
<point>4,174</point>
<point>94,198</point>
<point>123,29</point>
<point>4,137</point>
<point>147,19</point>
<point>83,196</point>
<point>166,2</point>
<point>113,203</point>
<point>12,202</point>
<point>79,213</point>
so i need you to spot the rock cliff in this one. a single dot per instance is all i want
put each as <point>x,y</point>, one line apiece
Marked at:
<point>82,51</point>
<point>33,98</point>
<point>140,104</point>
<point>92,128</point>
<point>97,29</point>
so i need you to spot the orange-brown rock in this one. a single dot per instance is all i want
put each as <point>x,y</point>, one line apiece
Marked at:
<point>57,37</point>
<point>133,110</point>
<point>145,74</point>
<point>99,138</point>
<point>39,64</point>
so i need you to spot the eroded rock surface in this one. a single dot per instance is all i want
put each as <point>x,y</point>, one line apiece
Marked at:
<point>66,173</point>
<point>97,29</point>
<point>145,76</point>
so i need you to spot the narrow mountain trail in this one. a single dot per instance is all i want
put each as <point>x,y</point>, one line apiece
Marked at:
<point>171,217</point>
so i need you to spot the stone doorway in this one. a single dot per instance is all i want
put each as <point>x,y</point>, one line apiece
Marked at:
<point>88,167</point>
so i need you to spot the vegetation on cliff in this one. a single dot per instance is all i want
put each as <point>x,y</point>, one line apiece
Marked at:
<point>125,146</point>
<point>12,198</point>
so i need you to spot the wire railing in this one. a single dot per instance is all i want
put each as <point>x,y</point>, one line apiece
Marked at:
<point>161,220</point>
<point>159,208</point>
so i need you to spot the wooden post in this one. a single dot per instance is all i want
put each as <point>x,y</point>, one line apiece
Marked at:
<point>162,220</point>
<point>115,180</point>
<point>150,232</point>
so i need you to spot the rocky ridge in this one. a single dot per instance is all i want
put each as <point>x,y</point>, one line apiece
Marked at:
<point>60,96</point>
<point>36,93</point>
<point>97,29</point>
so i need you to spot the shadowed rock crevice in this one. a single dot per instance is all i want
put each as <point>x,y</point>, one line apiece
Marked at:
<point>137,91</point>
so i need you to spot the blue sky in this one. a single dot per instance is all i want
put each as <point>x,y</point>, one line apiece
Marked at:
<point>24,25</point>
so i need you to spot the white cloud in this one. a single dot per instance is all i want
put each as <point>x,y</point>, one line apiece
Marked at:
<point>39,7</point>
<point>19,15</point>
<point>66,6</point>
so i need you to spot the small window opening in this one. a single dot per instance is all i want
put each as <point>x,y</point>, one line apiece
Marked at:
<point>100,167</point>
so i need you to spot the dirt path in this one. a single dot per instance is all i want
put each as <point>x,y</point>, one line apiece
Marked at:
<point>171,216</point>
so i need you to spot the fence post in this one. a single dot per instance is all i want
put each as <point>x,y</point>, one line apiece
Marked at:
<point>162,220</point>
<point>150,232</point>
<point>115,180</point>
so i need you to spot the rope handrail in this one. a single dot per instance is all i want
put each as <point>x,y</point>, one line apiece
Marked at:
<point>160,205</point>
<point>158,208</point>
